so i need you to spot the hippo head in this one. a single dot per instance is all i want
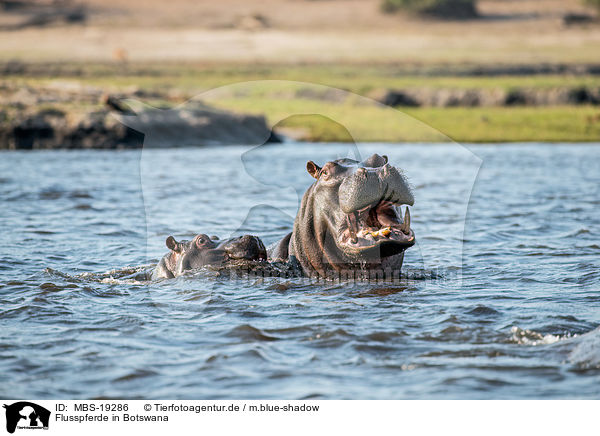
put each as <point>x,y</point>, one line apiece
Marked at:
<point>184,249</point>
<point>205,250</point>
<point>349,217</point>
<point>200,251</point>
<point>245,247</point>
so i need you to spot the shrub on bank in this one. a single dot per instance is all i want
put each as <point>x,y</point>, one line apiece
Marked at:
<point>439,8</point>
<point>593,3</point>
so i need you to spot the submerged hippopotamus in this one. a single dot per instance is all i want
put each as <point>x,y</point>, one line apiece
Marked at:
<point>349,220</point>
<point>204,250</point>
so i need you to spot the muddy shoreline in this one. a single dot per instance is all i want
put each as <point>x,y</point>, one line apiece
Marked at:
<point>63,117</point>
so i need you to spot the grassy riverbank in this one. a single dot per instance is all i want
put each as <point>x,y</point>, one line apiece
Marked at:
<point>168,85</point>
<point>479,124</point>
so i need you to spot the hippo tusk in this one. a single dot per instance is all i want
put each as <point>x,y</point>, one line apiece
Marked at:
<point>405,227</point>
<point>353,226</point>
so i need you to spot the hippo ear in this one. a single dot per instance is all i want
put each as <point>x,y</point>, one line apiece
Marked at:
<point>172,244</point>
<point>375,161</point>
<point>313,169</point>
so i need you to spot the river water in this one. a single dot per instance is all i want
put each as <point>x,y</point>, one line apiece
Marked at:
<point>501,298</point>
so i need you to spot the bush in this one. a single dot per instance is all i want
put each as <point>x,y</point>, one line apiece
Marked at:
<point>593,3</point>
<point>438,8</point>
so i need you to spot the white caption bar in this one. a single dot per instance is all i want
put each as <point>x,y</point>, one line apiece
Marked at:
<point>159,417</point>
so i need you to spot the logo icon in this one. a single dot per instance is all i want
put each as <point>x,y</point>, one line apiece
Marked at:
<point>26,415</point>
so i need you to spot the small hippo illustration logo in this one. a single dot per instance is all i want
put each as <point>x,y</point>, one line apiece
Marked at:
<point>26,415</point>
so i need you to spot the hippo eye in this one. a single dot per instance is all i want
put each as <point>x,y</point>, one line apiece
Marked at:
<point>325,173</point>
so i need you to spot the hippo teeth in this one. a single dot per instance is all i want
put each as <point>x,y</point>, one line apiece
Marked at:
<point>376,223</point>
<point>405,227</point>
<point>353,226</point>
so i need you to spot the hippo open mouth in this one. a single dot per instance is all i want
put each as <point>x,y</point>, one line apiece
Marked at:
<point>350,219</point>
<point>370,198</point>
<point>380,227</point>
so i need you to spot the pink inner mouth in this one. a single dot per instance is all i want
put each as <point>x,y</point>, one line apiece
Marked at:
<point>374,224</point>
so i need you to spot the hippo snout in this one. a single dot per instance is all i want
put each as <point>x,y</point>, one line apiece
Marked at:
<point>375,161</point>
<point>245,247</point>
<point>368,186</point>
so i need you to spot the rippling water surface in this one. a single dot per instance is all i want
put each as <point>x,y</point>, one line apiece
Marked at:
<point>511,313</point>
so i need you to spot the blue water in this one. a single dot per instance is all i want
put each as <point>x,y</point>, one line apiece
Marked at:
<point>501,298</point>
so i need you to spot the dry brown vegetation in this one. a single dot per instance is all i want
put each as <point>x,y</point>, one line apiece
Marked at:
<point>296,31</point>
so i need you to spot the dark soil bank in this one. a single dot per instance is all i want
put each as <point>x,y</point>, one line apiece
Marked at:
<point>51,129</point>
<point>83,118</point>
<point>490,97</point>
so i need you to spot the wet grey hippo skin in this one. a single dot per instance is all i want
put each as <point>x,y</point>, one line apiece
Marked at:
<point>204,250</point>
<point>349,220</point>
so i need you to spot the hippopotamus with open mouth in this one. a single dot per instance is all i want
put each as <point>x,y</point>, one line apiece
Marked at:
<point>204,250</point>
<point>349,220</point>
